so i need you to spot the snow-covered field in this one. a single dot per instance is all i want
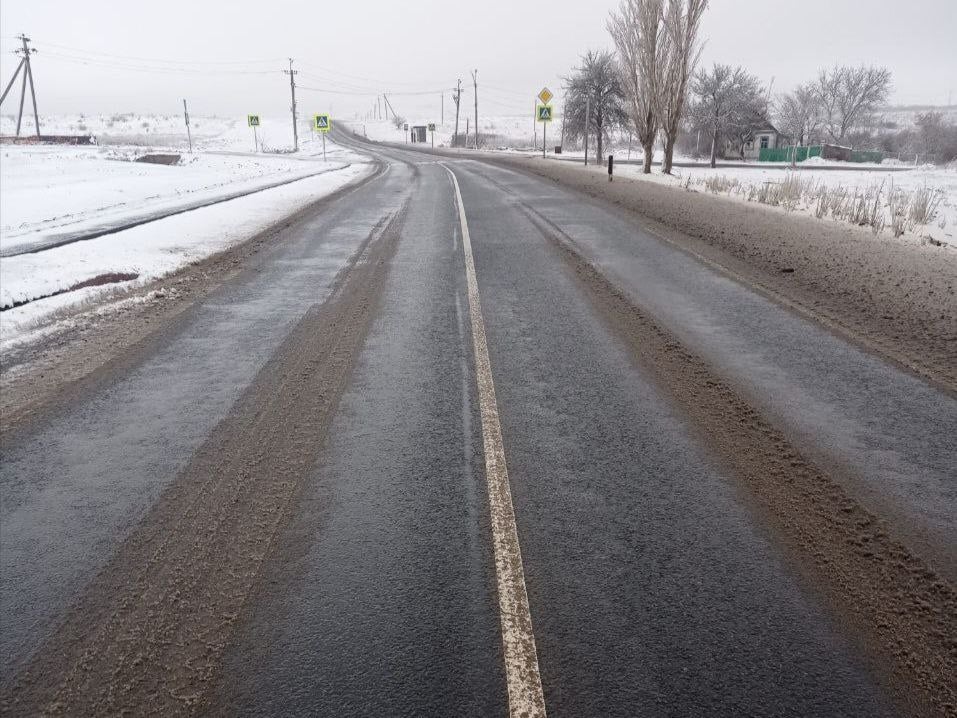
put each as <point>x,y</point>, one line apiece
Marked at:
<point>46,190</point>
<point>498,131</point>
<point>816,186</point>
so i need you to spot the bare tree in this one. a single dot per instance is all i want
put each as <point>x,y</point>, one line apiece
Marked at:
<point>798,114</point>
<point>849,95</point>
<point>682,21</point>
<point>593,99</point>
<point>727,102</point>
<point>637,30</point>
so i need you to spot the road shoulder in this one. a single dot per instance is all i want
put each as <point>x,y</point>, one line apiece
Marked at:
<point>88,343</point>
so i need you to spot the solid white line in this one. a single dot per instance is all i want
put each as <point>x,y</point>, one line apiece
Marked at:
<point>525,697</point>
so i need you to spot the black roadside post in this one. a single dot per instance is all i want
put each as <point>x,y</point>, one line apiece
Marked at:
<point>611,166</point>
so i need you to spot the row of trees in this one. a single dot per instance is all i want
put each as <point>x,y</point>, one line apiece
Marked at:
<point>657,48</point>
<point>837,103</point>
<point>650,86</point>
<point>645,83</point>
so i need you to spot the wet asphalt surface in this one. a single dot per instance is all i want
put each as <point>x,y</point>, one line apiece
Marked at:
<point>653,589</point>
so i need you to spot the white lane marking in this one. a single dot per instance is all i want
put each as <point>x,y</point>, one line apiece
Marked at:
<point>525,696</point>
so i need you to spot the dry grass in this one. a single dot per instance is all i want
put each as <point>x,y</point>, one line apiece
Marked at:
<point>875,206</point>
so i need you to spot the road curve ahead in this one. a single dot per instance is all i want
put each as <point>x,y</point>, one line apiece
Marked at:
<point>462,442</point>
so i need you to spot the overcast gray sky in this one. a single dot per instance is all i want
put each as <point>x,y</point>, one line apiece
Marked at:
<point>114,56</point>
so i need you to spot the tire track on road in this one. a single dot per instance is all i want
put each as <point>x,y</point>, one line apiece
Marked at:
<point>901,610</point>
<point>149,632</point>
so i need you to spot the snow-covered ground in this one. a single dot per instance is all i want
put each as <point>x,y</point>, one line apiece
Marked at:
<point>51,189</point>
<point>46,190</point>
<point>742,183</point>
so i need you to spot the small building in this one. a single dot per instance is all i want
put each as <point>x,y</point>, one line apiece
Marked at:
<point>419,133</point>
<point>765,137</point>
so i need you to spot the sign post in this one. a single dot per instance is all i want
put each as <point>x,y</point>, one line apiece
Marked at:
<point>405,129</point>
<point>253,121</point>
<point>544,112</point>
<point>543,115</point>
<point>432,133</point>
<point>322,124</point>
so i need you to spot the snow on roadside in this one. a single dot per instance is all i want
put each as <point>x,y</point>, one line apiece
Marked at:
<point>50,189</point>
<point>149,251</point>
<point>738,183</point>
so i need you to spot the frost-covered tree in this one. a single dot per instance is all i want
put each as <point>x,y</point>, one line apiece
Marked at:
<point>798,114</point>
<point>594,102</point>
<point>682,23</point>
<point>727,102</point>
<point>848,96</point>
<point>638,31</point>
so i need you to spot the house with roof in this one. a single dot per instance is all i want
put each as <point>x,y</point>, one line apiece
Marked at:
<point>764,136</point>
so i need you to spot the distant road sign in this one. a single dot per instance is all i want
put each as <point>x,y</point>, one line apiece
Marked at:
<point>322,123</point>
<point>252,120</point>
<point>405,126</point>
<point>544,113</point>
<point>431,127</point>
<point>545,95</point>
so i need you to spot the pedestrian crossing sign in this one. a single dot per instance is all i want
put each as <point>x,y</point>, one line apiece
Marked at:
<point>322,123</point>
<point>252,120</point>
<point>544,113</point>
<point>431,127</point>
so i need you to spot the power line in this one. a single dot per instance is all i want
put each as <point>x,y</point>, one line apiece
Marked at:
<point>162,60</point>
<point>76,60</point>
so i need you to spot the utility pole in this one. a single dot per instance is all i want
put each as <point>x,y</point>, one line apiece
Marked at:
<point>388,106</point>
<point>457,96</point>
<point>292,88</point>
<point>587,123</point>
<point>562,141</point>
<point>24,65</point>
<point>475,88</point>
<point>189,135</point>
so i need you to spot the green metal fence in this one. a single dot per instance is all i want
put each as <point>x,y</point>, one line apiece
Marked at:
<point>784,154</point>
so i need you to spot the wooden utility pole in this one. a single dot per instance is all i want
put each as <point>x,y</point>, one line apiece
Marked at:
<point>189,135</point>
<point>442,110</point>
<point>587,123</point>
<point>475,89</point>
<point>388,107</point>
<point>24,65</point>
<point>292,88</point>
<point>457,97</point>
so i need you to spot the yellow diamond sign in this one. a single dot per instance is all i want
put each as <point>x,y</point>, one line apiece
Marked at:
<point>545,95</point>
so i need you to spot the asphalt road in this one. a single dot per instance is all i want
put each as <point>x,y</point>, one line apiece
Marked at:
<point>281,505</point>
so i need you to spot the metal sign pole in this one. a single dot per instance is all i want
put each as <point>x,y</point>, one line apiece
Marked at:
<point>323,146</point>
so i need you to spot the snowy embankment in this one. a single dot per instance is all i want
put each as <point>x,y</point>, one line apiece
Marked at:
<point>50,189</point>
<point>922,202</point>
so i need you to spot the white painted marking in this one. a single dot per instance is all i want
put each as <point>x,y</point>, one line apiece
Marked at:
<point>525,696</point>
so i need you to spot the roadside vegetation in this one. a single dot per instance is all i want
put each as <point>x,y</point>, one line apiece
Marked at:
<point>651,91</point>
<point>878,205</point>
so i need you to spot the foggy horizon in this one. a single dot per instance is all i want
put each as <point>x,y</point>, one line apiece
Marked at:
<point>114,59</point>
